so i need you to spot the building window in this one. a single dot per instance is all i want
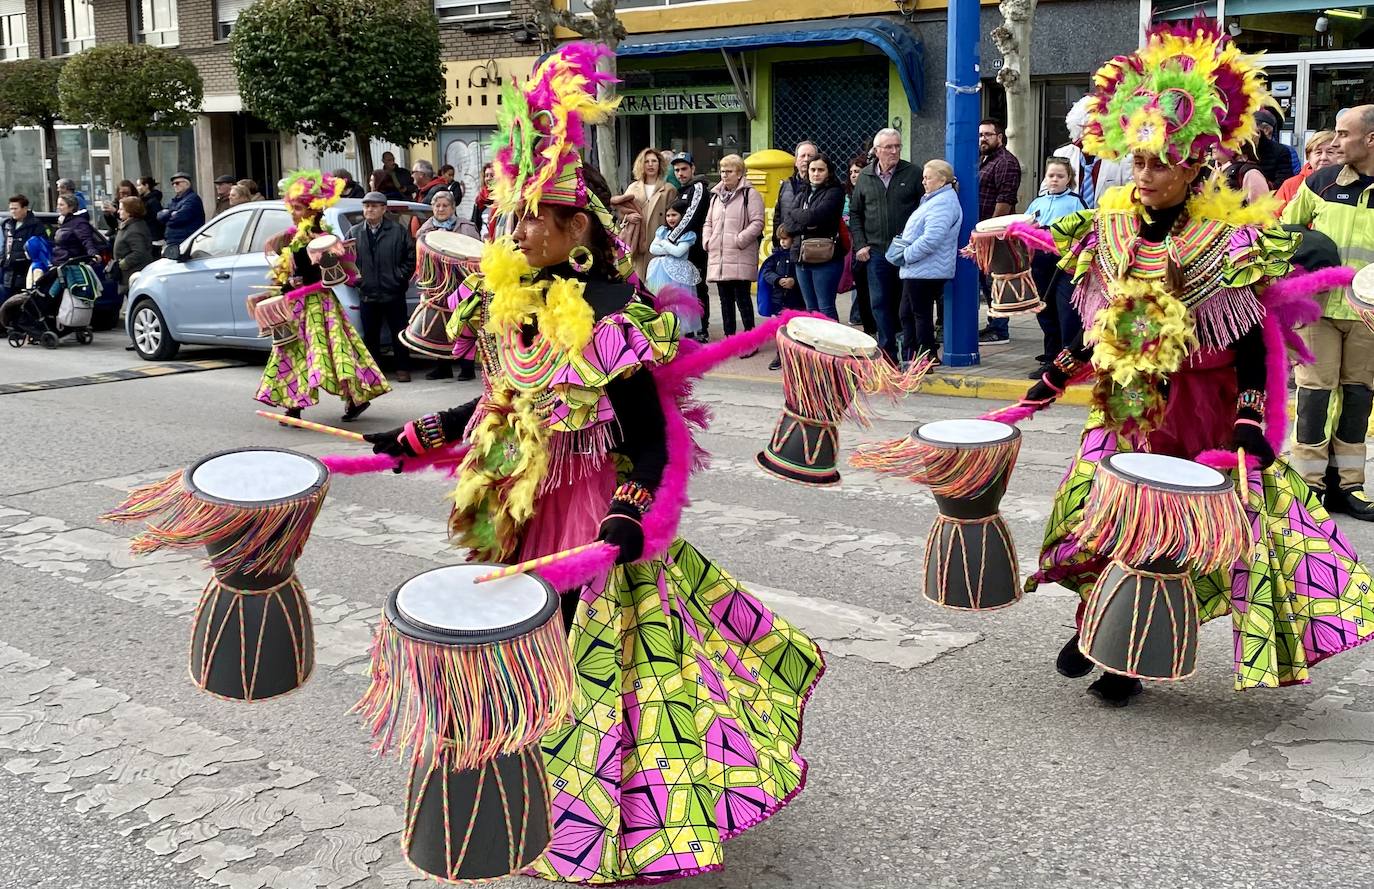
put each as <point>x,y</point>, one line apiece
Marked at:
<point>448,10</point>
<point>14,31</point>
<point>154,22</point>
<point>226,13</point>
<point>74,23</point>
<point>580,6</point>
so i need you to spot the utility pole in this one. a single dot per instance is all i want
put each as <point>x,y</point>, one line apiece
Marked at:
<point>961,147</point>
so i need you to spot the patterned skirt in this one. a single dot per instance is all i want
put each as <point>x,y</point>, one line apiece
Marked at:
<point>1299,597</point>
<point>687,723</point>
<point>328,354</point>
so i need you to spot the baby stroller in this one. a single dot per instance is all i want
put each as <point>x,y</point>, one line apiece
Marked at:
<point>58,301</point>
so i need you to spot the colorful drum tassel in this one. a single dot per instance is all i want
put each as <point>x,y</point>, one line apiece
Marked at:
<point>437,274</point>
<point>264,539</point>
<point>1136,524</point>
<point>831,388</point>
<point>470,703</point>
<point>955,472</point>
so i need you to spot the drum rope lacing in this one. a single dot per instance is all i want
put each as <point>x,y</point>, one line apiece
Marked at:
<point>943,555</point>
<point>1179,646</point>
<point>298,635</point>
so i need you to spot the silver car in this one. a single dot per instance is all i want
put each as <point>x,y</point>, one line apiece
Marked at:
<point>201,297</point>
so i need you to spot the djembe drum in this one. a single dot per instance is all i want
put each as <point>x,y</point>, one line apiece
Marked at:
<point>970,559</point>
<point>252,509</point>
<point>1361,295</point>
<point>467,679</point>
<point>1006,260</point>
<point>828,372</point>
<point>1159,519</point>
<point>274,318</point>
<point>325,251</point>
<point>443,259</point>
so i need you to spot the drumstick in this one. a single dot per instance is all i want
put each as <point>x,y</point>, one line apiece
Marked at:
<point>313,427</point>
<point>535,564</point>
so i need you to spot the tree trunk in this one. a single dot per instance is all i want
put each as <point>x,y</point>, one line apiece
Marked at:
<point>606,158</point>
<point>364,143</point>
<point>1013,40</point>
<point>145,155</point>
<point>50,151</point>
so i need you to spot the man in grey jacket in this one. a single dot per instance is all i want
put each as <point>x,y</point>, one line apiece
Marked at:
<point>888,191</point>
<point>793,186</point>
<point>386,261</point>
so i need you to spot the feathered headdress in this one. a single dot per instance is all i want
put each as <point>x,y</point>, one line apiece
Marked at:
<point>311,189</point>
<point>1187,89</point>
<point>542,127</point>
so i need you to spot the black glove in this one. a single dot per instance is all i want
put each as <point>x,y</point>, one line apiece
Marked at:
<point>621,528</point>
<point>1041,393</point>
<point>392,443</point>
<point>1252,440</point>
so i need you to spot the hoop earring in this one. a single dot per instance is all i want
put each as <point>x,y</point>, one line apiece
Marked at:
<point>581,259</point>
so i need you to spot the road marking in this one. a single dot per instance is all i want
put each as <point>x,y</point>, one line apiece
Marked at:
<point>139,372</point>
<point>236,815</point>
<point>1325,756</point>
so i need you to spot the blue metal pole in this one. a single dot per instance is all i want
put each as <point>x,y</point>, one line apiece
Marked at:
<point>961,148</point>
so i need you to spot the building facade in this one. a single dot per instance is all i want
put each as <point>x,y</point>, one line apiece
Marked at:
<point>485,44</point>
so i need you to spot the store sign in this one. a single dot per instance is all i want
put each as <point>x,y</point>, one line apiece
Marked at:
<point>707,100</point>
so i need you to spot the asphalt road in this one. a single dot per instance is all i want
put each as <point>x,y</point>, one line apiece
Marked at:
<point>944,749</point>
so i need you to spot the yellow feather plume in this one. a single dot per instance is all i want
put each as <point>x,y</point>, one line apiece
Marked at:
<point>567,320</point>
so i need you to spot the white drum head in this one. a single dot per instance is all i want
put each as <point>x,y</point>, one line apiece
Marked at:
<point>1166,470</point>
<point>446,599</point>
<point>453,244</point>
<point>322,242</point>
<point>965,432</point>
<point>1002,223</point>
<point>1363,287</point>
<point>831,337</point>
<point>256,476</point>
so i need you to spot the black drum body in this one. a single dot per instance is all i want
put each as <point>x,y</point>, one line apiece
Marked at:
<point>481,823</point>
<point>970,561</point>
<point>1142,621</point>
<point>427,332</point>
<point>802,450</point>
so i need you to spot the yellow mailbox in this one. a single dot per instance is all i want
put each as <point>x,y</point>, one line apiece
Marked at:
<point>767,170</point>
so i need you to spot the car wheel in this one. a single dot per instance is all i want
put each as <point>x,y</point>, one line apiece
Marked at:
<point>152,340</point>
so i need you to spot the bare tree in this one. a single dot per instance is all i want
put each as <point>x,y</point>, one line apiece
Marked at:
<point>1013,40</point>
<point>602,26</point>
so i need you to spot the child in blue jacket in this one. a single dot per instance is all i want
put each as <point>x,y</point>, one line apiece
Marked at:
<point>778,288</point>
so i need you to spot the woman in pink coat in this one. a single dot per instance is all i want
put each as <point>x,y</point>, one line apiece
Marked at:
<point>734,227</point>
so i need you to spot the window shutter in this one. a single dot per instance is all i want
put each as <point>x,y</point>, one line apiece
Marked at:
<point>227,11</point>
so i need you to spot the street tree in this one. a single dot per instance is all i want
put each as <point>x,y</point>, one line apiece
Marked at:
<point>132,88</point>
<point>331,69</point>
<point>28,98</point>
<point>1013,40</point>
<point>601,26</point>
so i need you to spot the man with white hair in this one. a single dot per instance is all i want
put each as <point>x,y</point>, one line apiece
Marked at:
<point>886,194</point>
<point>793,186</point>
<point>1079,162</point>
<point>426,184</point>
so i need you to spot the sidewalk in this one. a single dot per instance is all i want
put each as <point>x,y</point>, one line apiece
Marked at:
<point>1002,374</point>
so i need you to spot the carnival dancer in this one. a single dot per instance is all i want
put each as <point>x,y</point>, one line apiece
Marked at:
<point>688,716</point>
<point>327,352</point>
<point>1188,324</point>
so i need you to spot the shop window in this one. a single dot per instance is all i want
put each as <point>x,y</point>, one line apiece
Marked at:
<point>14,31</point>
<point>154,22</point>
<point>226,13</point>
<point>1297,25</point>
<point>21,165</point>
<point>839,106</point>
<point>448,10</point>
<point>73,26</point>
<point>171,151</point>
<point>468,149</point>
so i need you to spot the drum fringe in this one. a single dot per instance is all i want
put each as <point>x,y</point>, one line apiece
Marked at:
<point>950,472</point>
<point>1135,524</point>
<point>831,388</point>
<point>435,274</point>
<point>266,539</point>
<point>469,703</point>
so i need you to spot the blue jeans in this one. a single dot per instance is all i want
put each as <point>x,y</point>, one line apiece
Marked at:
<point>818,285</point>
<point>885,298</point>
<point>996,325</point>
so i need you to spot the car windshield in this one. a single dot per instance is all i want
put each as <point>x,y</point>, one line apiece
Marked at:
<point>409,217</point>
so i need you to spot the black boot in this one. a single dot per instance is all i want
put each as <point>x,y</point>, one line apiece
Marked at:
<point>1072,662</point>
<point>354,411</point>
<point>442,371</point>
<point>1115,690</point>
<point>292,412</point>
<point>466,370</point>
<point>1352,502</point>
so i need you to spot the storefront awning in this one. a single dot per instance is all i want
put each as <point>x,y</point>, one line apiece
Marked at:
<point>896,42</point>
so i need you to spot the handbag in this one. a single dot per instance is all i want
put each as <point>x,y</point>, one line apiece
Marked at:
<point>816,250</point>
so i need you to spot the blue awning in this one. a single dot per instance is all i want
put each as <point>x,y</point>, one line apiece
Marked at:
<point>897,43</point>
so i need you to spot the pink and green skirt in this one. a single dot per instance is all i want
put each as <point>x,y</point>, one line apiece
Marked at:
<point>1299,596</point>
<point>687,723</point>
<point>328,354</point>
